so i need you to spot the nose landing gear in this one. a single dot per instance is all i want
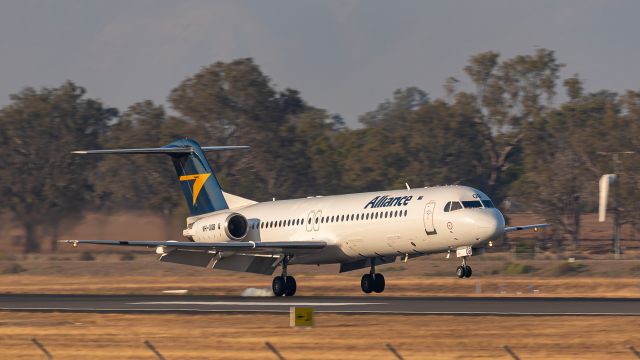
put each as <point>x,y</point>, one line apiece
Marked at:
<point>464,270</point>
<point>284,284</point>
<point>372,282</point>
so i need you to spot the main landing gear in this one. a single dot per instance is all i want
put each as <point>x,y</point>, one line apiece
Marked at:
<point>372,282</point>
<point>284,284</point>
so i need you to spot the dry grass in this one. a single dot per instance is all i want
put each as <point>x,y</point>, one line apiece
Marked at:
<point>327,285</point>
<point>218,336</point>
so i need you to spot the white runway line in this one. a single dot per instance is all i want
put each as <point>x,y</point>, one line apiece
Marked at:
<point>254,303</point>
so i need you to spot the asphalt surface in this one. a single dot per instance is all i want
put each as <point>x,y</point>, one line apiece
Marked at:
<point>354,305</point>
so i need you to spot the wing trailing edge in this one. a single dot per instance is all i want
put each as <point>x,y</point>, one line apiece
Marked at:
<point>246,246</point>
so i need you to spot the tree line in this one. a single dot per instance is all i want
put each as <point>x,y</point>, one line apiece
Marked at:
<point>530,139</point>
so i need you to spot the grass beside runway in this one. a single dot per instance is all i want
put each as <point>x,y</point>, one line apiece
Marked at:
<point>221,336</point>
<point>217,283</point>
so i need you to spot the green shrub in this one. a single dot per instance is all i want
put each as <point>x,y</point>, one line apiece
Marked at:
<point>525,249</point>
<point>565,268</point>
<point>86,256</point>
<point>517,269</point>
<point>13,268</point>
<point>127,257</point>
<point>8,257</point>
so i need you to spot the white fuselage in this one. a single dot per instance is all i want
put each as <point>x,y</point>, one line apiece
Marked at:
<point>355,226</point>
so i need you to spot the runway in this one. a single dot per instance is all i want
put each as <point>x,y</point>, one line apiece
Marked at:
<point>350,305</point>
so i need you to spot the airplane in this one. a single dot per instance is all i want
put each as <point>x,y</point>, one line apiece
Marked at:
<point>356,231</point>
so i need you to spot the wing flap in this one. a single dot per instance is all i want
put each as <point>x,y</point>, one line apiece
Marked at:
<point>188,245</point>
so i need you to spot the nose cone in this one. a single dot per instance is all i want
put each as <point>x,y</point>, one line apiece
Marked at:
<point>488,224</point>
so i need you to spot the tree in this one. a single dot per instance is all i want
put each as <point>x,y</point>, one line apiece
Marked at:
<point>509,95</point>
<point>430,144</point>
<point>41,184</point>
<point>236,104</point>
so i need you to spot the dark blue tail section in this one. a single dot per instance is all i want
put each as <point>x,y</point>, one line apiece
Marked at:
<point>199,184</point>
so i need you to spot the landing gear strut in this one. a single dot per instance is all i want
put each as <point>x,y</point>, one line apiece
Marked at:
<point>464,270</point>
<point>372,282</point>
<point>284,284</point>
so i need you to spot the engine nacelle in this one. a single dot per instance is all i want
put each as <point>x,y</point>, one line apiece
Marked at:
<point>218,227</point>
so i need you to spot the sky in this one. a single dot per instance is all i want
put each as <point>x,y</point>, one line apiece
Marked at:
<point>345,56</point>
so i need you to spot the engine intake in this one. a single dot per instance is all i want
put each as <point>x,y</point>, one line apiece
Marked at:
<point>236,227</point>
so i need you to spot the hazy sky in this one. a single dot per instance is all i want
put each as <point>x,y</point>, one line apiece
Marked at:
<point>345,56</point>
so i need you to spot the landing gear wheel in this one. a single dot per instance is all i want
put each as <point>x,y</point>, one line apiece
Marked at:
<point>290,286</point>
<point>460,271</point>
<point>378,283</point>
<point>367,283</point>
<point>278,286</point>
<point>467,271</point>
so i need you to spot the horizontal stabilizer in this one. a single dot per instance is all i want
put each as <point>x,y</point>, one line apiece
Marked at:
<point>526,227</point>
<point>161,150</point>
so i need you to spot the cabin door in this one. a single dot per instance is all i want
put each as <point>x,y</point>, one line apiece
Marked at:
<point>428,218</point>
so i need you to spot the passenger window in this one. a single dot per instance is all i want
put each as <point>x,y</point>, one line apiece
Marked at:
<point>447,207</point>
<point>455,205</point>
<point>405,212</point>
<point>342,218</point>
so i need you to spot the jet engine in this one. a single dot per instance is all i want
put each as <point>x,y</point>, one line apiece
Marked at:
<point>226,226</point>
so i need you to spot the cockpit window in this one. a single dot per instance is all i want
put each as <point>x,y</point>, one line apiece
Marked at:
<point>446,207</point>
<point>488,204</point>
<point>472,204</point>
<point>455,205</point>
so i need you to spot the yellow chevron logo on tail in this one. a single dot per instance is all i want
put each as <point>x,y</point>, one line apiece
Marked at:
<point>197,185</point>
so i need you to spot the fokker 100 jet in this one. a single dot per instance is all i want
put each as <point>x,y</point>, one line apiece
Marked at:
<point>357,231</point>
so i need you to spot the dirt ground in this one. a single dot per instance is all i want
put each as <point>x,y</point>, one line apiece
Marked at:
<point>325,285</point>
<point>217,336</point>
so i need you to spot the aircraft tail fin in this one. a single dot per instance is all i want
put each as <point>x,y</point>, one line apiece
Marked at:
<point>201,188</point>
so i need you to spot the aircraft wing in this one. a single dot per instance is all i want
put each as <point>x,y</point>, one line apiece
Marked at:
<point>535,227</point>
<point>244,246</point>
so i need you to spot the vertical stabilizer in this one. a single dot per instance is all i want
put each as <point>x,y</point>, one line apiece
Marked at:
<point>199,184</point>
